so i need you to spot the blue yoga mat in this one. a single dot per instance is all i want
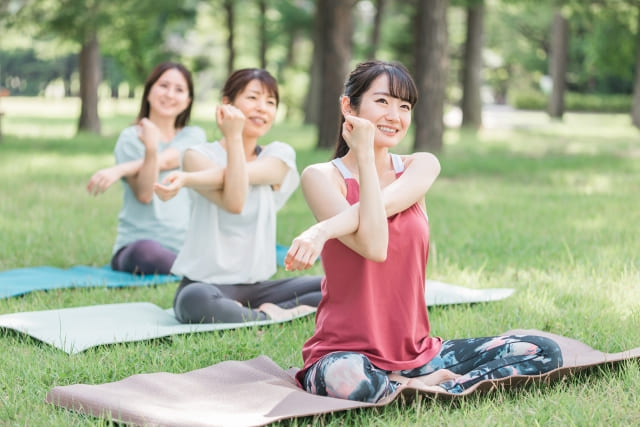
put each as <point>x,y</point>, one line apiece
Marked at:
<point>24,280</point>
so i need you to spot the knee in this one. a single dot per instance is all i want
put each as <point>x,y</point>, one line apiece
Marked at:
<point>551,352</point>
<point>547,349</point>
<point>193,303</point>
<point>351,376</point>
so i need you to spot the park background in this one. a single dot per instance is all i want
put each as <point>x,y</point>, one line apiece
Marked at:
<point>531,106</point>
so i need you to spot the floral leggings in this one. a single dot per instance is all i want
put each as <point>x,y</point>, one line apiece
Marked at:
<point>350,375</point>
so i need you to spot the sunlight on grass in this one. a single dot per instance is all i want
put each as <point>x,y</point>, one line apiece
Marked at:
<point>547,208</point>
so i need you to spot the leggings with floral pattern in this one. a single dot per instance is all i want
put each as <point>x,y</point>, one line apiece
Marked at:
<point>350,375</point>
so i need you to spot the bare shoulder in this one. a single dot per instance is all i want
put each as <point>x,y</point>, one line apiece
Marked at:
<point>322,176</point>
<point>319,171</point>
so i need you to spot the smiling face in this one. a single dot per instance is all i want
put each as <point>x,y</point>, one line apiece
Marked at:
<point>258,105</point>
<point>391,116</point>
<point>169,95</point>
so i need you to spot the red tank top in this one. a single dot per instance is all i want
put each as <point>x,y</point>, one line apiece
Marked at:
<point>376,308</point>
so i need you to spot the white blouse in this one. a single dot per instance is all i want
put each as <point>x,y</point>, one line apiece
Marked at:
<point>225,248</point>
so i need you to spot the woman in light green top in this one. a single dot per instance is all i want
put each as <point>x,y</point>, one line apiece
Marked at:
<point>150,231</point>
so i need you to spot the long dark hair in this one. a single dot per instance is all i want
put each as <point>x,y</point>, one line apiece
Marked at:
<point>239,79</point>
<point>401,85</point>
<point>145,108</point>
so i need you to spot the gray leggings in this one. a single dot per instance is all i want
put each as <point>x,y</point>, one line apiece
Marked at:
<point>198,302</point>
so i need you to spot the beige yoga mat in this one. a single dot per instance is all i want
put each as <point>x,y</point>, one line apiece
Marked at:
<point>258,392</point>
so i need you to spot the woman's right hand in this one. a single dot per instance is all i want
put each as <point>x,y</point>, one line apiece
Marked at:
<point>170,185</point>
<point>149,134</point>
<point>358,134</point>
<point>230,121</point>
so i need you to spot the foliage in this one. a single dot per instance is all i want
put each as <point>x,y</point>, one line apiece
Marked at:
<point>23,73</point>
<point>597,103</point>
<point>543,207</point>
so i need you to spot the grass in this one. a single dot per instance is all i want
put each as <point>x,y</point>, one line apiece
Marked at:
<point>549,208</point>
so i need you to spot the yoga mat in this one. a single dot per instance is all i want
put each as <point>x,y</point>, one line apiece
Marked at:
<point>258,392</point>
<point>73,330</point>
<point>24,280</point>
<point>439,293</point>
<point>76,329</point>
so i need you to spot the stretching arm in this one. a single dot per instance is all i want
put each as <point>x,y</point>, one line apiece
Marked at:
<point>421,171</point>
<point>102,179</point>
<point>207,178</point>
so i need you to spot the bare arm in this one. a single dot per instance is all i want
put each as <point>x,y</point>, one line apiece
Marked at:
<point>226,187</point>
<point>102,179</point>
<point>208,179</point>
<point>421,171</point>
<point>322,190</point>
<point>142,182</point>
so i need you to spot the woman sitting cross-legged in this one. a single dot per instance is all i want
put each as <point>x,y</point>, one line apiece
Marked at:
<point>372,327</point>
<point>150,232</point>
<point>237,187</point>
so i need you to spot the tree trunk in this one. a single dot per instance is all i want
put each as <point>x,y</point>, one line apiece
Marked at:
<point>635,108</point>
<point>377,22</point>
<point>472,67</point>
<point>431,63</point>
<point>228,7</point>
<point>336,54</point>
<point>262,4</point>
<point>558,65</point>
<point>90,76</point>
<point>312,102</point>
<point>69,66</point>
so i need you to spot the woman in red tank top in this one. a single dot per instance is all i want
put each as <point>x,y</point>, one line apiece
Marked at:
<point>373,235</point>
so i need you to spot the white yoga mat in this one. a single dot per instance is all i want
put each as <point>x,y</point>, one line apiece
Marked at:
<point>74,330</point>
<point>439,293</point>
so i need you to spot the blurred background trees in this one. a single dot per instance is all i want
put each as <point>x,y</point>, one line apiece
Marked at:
<point>553,55</point>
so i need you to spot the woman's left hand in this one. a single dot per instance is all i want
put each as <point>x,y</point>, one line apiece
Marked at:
<point>305,249</point>
<point>170,185</point>
<point>102,180</point>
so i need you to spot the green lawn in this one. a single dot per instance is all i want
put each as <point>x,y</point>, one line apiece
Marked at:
<point>549,208</point>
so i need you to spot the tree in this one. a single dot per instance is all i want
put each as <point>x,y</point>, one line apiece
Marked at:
<point>90,77</point>
<point>430,28</point>
<point>377,23</point>
<point>262,5</point>
<point>635,109</point>
<point>79,21</point>
<point>335,18</point>
<point>312,102</point>
<point>558,64</point>
<point>472,66</point>
<point>229,10</point>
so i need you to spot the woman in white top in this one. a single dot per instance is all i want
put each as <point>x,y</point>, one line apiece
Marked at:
<point>151,232</point>
<point>236,188</point>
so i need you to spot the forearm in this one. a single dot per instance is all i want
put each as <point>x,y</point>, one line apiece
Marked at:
<point>268,171</point>
<point>205,180</point>
<point>236,181</point>
<point>420,173</point>
<point>128,169</point>
<point>169,159</point>
<point>146,177</point>
<point>372,232</point>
